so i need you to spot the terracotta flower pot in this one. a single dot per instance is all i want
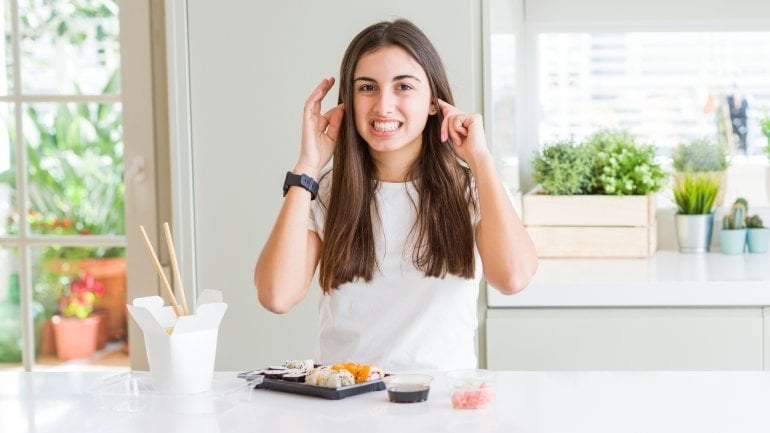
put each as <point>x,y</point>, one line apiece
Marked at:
<point>75,338</point>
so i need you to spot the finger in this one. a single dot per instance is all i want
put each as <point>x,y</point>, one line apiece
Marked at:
<point>334,119</point>
<point>458,125</point>
<point>443,129</point>
<point>456,139</point>
<point>313,103</point>
<point>445,106</point>
<point>447,110</point>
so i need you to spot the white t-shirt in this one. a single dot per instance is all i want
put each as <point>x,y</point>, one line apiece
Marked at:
<point>401,320</point>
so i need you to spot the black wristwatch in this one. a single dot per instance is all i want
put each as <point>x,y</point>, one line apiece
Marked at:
<point>302,180</point>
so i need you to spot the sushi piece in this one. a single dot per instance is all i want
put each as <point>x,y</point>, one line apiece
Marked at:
<point>305,365</point>
<point>362,373</point>
<point>294,377</point>
<point>329,378</point>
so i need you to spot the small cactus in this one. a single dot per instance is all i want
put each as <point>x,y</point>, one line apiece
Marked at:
<point>754,222</point>
<point>736,220</point>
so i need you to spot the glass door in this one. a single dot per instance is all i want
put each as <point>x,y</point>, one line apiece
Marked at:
<point>62,216</point>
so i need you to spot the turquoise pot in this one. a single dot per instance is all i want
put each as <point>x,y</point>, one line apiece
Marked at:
<point>758,240</point>
<point>732,241</point>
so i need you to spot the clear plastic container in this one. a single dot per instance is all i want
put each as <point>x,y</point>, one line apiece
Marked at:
<point>408,388</point>
<point>134,391</point>
<point>471,389</point>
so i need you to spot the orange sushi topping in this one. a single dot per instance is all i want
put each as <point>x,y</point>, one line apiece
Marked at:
<point>359,372</point>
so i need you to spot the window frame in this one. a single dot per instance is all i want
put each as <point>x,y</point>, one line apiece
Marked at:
<point>145,139</point>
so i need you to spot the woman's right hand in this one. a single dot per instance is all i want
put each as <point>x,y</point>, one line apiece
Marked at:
<point>319,131</point>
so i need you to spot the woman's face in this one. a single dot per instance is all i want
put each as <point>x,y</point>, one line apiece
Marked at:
<point>391,100</point>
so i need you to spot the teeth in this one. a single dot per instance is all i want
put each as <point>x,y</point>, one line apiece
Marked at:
<point>386,126</point>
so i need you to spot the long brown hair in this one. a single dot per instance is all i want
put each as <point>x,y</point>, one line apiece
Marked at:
<point>443,230</point>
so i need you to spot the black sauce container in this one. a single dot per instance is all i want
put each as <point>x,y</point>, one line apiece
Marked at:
<point>408,388</point>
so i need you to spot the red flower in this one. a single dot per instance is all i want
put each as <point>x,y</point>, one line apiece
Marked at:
<point>84,293</point>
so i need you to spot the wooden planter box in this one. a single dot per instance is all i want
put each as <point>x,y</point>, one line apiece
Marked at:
<point>590,225</point>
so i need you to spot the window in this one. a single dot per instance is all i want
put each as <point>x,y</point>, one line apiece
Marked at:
<point>665,87</point>
<point>664,71</point>
<point>61,168</point>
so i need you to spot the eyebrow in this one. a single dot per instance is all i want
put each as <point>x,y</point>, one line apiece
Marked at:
<point>396,78</point>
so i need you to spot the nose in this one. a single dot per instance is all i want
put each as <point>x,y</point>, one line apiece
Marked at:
<point>385,103</point>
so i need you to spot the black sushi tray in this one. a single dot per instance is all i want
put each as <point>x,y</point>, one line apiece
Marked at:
<point>315,390</point>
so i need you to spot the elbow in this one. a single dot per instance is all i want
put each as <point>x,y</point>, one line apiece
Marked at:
<point>517,280</point>
<point>272,304</point>
<point>269,296</point>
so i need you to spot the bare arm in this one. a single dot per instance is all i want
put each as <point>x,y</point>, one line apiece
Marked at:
<point>285,267</point>
<point>507,252</point>
<point>289,258</point>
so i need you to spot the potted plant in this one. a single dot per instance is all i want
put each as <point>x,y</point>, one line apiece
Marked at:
<point>75,329</point>
<point>563,168</point>
<point>694,196</point>
<point>732,237</point>
<point>757,235</point>
<point>704,156</point>
<point>622,166</point>
<point>595,198</point>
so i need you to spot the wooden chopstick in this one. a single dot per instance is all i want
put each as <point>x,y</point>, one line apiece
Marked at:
<point>174,265</point>
<point>159,268</point>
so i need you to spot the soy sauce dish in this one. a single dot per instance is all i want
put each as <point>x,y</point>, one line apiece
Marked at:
<point>408,388</point>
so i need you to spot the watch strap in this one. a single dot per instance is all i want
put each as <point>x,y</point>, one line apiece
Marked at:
<point>301,180</point>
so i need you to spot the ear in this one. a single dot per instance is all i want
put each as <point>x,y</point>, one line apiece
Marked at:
<point>432,110</point>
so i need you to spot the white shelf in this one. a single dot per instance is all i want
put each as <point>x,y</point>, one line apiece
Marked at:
<point>666,279</point>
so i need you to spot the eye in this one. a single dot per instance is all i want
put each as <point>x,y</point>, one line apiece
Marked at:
<point>366,88</point>
<point>403,87</point>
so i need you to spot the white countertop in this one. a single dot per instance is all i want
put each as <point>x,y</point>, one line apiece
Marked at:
<point>666,279</point>
<point>574,402</point>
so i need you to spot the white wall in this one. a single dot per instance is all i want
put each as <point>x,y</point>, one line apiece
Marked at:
<point>252,65</point>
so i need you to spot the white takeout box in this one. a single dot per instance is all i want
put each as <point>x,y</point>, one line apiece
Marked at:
<point>183,362</point>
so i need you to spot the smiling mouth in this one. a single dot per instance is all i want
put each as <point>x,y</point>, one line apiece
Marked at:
<point>386,126</point>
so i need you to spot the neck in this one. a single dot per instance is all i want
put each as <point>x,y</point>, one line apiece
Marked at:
<point>393,166</point>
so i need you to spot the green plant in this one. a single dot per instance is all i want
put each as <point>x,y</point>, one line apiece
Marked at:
<point>736,219</point>
<point>695,194</point>
<point>82,295</point>
<point>754,222</point>
<point>622,166</point>
<point>75,174</point>
<point>563,168</point>
<point>700,154</point>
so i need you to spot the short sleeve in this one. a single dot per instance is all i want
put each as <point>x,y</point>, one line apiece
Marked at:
<point>317,217</point>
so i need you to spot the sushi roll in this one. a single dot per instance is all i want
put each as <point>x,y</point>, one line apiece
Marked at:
<point>305,365</point>
<point>329,378</point>
<point>362,373</point>
<point>294,377</point>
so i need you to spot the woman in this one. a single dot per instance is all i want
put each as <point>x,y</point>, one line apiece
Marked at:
<point>410,212</point>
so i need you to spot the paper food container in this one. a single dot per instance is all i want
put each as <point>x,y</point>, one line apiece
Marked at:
<point>181,350</point>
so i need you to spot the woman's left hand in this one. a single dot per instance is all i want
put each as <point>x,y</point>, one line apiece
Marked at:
<point>466,131</point>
